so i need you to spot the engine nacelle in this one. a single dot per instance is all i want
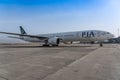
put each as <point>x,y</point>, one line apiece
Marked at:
<point>54,41</point>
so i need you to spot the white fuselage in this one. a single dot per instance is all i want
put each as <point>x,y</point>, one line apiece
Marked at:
<point>83,36</point>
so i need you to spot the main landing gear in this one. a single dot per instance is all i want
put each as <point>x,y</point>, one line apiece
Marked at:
<point>101,44</point>
<point>47,45</point>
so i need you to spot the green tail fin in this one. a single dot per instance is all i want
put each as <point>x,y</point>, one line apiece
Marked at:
<point>22,30</point>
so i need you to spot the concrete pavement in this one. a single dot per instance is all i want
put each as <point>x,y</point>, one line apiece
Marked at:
<point>32,62</point>
<point>101,64</point>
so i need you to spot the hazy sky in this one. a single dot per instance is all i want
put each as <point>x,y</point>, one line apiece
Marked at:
<point>49,16</point>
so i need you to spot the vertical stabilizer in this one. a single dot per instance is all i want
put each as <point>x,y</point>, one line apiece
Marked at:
<point>22,30</point>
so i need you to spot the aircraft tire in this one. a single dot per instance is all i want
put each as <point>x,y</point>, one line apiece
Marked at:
<point>45,45</point>
<point>101,44</point>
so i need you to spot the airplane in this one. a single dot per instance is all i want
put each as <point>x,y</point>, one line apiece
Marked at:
<point>54,39</point>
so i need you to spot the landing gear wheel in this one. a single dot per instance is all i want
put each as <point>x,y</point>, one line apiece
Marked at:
<point>45,45</point>
<point>54,45</point>
<point>101,44</point>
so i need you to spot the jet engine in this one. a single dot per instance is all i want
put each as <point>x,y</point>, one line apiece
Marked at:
<point>54,41</point>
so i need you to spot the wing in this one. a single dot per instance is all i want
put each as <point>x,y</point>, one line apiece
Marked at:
<point>15,37</point>
<point>25,35</point>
